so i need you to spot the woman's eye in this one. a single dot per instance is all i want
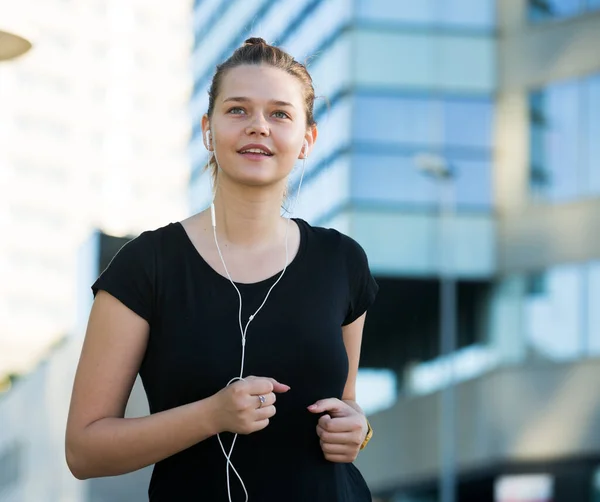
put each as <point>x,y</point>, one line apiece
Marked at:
<point>281,115</point>
<point>236,110</point>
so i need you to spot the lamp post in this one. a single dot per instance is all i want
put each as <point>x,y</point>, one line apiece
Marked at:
<point>442,172</point>
<point>12,46</point>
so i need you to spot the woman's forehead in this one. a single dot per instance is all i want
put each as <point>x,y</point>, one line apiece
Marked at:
<point>261,83</point>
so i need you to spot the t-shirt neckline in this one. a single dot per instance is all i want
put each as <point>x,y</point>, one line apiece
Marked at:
<point>292,265</point>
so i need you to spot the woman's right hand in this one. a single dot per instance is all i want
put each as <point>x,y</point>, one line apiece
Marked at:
<point>238,407</point>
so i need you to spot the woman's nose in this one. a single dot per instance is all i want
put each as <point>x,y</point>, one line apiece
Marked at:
<point>258,125</point>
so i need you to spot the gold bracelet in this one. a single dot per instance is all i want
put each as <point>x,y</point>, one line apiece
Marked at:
<point>368,436</point>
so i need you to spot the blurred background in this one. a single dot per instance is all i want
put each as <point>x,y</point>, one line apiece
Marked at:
<point>459,144</point>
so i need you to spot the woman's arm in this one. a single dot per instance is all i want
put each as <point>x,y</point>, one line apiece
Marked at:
<point>343,430</point>
<point>99,441</point>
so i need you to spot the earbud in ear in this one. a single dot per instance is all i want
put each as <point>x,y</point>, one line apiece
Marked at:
<point>207,136</point>
<point>305,149</point>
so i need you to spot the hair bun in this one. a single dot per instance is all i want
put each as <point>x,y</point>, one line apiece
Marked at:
<point>255,41</point>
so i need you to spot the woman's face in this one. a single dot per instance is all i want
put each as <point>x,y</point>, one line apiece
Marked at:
<point>258,125</point>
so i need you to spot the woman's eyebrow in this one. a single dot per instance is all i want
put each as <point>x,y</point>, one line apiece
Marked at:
<point>242,99</point>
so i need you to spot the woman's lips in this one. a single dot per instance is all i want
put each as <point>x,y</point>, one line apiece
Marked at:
<point>255,156</point>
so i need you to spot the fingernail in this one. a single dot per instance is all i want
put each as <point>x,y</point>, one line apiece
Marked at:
<point>312,407</point>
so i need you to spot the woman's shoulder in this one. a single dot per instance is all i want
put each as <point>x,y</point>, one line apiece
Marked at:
<point>333,237</point>
<point>151,238</point>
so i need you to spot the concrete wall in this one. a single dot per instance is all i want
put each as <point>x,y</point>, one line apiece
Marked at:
<point>530,56</point>
<point>520,414</point>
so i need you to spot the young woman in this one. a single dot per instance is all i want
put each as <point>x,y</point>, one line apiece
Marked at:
<point>230,316</point>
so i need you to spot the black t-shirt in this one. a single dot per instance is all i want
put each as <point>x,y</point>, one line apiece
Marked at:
<point>194,349</point>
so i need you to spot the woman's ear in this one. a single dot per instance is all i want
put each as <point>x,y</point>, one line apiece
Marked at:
<point>309,141</point>
<point>206,133</point>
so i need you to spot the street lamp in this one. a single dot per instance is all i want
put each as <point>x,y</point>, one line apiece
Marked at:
<point>441,171</point>
<point>12,46</point>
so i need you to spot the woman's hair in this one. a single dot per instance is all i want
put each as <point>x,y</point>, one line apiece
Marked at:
<point>256,51</point>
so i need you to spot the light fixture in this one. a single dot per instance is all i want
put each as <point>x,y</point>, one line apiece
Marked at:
<point>12,46</point>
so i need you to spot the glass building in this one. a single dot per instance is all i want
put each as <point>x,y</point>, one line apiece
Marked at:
<point>507,95</point>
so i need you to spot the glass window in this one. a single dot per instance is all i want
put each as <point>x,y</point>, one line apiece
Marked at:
<point>540,10</point>
<point>390,119</point>
<point>454,122</point>
<point>473,183</point>
<point>468,123</point>
<point>384,178</point>
<point>478,13</point>
<point>410,12</point>
<point>426,60</point>
<point>554,323</point>
<point>593,312</point>
<point>538,173</point>
<point>397,179</point>
<point>555,126</point>
<point>592,133</point>
<point>468,13</point>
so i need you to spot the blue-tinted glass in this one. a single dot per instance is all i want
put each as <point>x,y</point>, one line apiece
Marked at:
<point>538,170</point>
<point>562,121</point>
<point>479,13</point>
<point>396,179</point>
<point>468,123</point>
<point>399,120</point>
<point>592,133</point>
<point>422,12</point>
<point>473,183</point>
<point>468,13</point>
<point>553,314</point>
<point>456,122</point>
<point>593,312</point>
<point>547,9</point>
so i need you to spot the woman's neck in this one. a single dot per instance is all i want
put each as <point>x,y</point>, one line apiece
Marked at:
<point>249,218</point>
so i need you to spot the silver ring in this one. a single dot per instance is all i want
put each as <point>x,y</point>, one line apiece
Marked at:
<point>262,400</point>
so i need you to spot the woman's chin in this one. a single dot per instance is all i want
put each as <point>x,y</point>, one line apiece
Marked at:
<point>257,175</point>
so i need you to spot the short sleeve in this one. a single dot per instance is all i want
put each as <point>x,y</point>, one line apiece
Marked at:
<point>130,276</point>
<point>362,286</point>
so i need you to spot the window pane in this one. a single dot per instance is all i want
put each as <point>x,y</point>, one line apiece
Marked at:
<point>592,133</point>
<point>553,314</point>
<point>547,9</point>
<point>555,141</point>
<point>468,123</point>
<point>411,12</point>
<point>456,122</point>
<point>473,183</point>
<point>399,120</point>
<point>396,179</point>
<point>538,169</point>
<point>593,300</point>
<point>562,140</point>
<point>478,13</point>
<point>424,60</point>
<point>379,178</point>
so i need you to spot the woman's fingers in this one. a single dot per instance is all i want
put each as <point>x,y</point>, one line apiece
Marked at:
<point>263,385</point>
<point>336,437</point>
<point>266,412</point>
<point>334,449</point>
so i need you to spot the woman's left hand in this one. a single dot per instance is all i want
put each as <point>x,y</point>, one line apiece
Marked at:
<point>342,430</point>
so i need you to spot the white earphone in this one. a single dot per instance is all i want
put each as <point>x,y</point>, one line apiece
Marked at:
<point>243,329</point>
<point>208,136</point>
